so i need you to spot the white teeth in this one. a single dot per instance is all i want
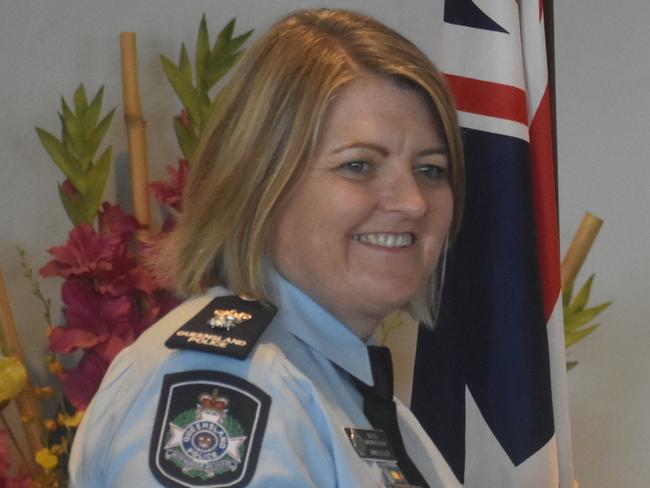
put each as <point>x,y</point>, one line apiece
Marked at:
<point>385,240</point>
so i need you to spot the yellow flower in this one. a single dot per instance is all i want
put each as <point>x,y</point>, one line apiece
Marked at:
<point>70,420</point>
<point>13,378</point>
<point>44,392</point>
<point>55,367</point>
<point>46,459</point>
<point>61,448</point>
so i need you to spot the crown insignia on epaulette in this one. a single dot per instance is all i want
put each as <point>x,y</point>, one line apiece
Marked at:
<point>225,319</point>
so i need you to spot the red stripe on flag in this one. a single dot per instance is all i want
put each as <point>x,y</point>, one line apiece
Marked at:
<point>487,98</point>
<point>543,174</point>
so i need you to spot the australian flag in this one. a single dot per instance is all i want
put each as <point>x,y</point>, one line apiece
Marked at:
<point>490,380</point>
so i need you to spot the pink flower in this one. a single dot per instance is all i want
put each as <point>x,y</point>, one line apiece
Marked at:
<point>69,189</point>
<point>114,221</point>
<point>81,383</point>
<point>185,121</point>
<point>21,480</point>
<point>86,253</point>
<point>154,307</point>
<point>104,259</point>
<point>100,322</point>
<point>4,453</point>
<point>124,274</point>
<point>172,193</point>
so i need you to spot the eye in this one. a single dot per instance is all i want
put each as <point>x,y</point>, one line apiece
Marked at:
<point>432,172</point>
<point>356,167</point>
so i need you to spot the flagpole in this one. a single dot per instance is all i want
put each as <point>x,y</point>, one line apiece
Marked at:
<point>549,30</point>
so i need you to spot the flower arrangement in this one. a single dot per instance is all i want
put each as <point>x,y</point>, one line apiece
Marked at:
<point>109,294</point>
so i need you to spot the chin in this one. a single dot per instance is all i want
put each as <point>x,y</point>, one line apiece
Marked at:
<point>388,301</point>
<point>396,288</point>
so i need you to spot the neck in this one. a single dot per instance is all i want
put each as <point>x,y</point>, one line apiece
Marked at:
<point>361,325</point>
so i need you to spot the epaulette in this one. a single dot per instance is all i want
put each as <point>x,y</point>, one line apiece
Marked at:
<point>228,325</point>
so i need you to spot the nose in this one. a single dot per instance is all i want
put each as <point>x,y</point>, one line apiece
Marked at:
<point>402,193</point>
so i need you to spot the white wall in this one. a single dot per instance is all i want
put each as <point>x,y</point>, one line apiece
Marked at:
<point>604,147</point>
<point>47,47</point>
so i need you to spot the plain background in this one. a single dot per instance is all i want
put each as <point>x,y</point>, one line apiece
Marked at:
<point>47,47</point>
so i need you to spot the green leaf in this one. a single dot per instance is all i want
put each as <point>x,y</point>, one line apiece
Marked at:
<point>582,297</point>
<point>97,136</point>
<point>223,38</point>
<point>571,338</point>
<point>70,140</point>
<point>577,319</point>
<point>97,178</point>
<point>567,291</point>
<point>72,132</point>
<point>183,89</point>
<point>218,69</point>
<point>202,54</point>
<point>185,66</point>
<point>77,147</point>
<point>205,107</point>
<point>84,209</point>
<point>238,41</point>
<point>62,158</point>
<point>80,101</point>
<point>225,54</point>
<point>90,118</point>
<point>67,116</point>
<point>74,208</point>
<point>187,140</point>
<point>210,67</point>
<point>570,365</point>
<point>207,111</point>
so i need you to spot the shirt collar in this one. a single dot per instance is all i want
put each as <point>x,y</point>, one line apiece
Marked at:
<point>311,323</point>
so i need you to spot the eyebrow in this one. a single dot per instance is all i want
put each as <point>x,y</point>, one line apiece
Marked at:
<point>384,152</point>
<point>363,145</point>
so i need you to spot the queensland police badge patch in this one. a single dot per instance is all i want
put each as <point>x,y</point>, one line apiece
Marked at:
<point>208,430</point>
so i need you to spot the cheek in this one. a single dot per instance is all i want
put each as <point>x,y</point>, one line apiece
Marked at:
<point>294,233</point>
<point>443,206</point>
<point>439,222</point>
<point>314,225</point>
<point>283,237</point>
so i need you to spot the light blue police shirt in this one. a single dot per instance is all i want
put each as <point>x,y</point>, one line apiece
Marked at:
<point>302,361</point>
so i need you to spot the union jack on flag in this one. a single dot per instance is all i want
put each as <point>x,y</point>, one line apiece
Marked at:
<point>490,381</point>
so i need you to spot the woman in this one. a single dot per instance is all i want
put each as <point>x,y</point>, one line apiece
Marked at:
<point>322,197</point>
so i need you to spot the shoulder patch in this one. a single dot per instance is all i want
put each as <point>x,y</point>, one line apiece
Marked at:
<point>208,430</point>
<point>228,325</point>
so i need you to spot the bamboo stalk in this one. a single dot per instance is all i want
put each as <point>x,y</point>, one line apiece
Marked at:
<point>136,127</point>
<point>579,248</point>
<point>27,403</point>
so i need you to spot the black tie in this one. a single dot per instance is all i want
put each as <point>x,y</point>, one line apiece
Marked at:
<point>381,412</point>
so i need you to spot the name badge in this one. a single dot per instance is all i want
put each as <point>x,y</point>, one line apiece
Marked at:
<point>371,445</point>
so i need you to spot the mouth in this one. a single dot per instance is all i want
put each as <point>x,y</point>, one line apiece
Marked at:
<point>389,241</point>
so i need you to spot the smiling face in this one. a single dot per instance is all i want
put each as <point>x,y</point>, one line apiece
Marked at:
<point>362,229</point>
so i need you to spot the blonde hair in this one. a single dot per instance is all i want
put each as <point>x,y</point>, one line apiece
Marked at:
<point>266,125</point>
